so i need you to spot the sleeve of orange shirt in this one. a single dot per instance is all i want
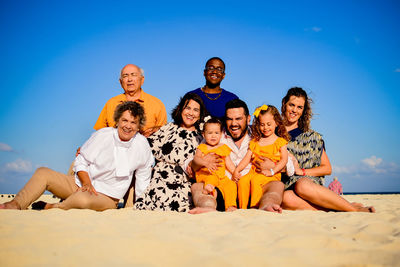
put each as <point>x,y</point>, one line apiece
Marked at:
<point>102,120</point>
<point>162,116</point>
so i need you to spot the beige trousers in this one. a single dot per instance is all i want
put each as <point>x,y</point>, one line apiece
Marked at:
<point>64,187</point>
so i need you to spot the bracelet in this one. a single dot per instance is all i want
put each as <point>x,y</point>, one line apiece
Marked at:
<point>304,172</point>
<point>272,172</point>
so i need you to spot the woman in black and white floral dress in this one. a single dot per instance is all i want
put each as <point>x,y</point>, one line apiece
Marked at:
<point>172,145</point>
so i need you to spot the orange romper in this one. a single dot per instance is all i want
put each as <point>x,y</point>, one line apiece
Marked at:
<point>252,182</point>
<point>218,178</point>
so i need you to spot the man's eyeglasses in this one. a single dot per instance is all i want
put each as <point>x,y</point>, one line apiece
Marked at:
<point>212,68</point>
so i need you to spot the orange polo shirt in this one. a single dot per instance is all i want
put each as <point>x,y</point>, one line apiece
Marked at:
<point>156,115</point>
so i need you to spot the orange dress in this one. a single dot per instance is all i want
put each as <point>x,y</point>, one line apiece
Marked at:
<point>218,178</point>
<point>252,182</point>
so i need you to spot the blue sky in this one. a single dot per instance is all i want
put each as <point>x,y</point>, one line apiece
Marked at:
<point>61,62</point>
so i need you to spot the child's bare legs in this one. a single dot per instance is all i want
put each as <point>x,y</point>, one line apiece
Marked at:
<point>272,197</point>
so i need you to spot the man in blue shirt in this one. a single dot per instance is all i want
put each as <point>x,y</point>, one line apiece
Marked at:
<point>213,96</point>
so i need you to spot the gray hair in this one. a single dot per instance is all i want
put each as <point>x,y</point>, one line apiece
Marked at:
<point>134,108</point>
<point>140,69</point>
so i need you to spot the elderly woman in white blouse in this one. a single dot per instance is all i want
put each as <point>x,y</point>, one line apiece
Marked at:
<point>103,169</point>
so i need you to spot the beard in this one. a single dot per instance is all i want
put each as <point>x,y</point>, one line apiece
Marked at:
<point>240,136</point>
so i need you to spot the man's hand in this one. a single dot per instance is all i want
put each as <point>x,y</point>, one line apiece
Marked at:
<point>78,151</point>
<point>212,162</point>
<point>150,131</point>
<point>263,164</point>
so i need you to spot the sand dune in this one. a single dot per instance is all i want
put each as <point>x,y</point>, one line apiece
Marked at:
<point>242,238</point>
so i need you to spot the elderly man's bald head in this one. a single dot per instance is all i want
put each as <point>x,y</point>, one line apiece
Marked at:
<point>131,79</point>
<point>139,69</point>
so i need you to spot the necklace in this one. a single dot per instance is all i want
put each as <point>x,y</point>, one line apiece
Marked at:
<point>202,89</point>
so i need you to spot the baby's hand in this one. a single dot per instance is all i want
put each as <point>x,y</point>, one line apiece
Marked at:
<point>208,189</point>
<point>236,176</point>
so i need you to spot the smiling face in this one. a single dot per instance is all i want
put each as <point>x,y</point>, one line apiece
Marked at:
<point>131,79</point>
<point>267,124</point>
<point>127,126</point>
<point>190,114</point>
<point>214,72</point>
<point>237,123</point>
<point>294,109</point>
<point>212,133</point>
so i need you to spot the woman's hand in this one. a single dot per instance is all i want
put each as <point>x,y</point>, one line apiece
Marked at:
<point>297,169</point>
<point>88,188</point>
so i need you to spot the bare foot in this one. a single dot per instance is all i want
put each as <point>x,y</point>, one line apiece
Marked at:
<point>231,208</point>
<point>11,205</point>
<point>272,208</point>
<point>201,210</point>
<point>356,204</point>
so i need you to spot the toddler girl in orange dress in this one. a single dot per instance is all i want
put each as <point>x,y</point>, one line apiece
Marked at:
<point>269,139</point>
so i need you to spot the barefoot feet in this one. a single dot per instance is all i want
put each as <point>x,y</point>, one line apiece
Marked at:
<point>272,208</point>
<point>11,205</point>
<point>201,210</point>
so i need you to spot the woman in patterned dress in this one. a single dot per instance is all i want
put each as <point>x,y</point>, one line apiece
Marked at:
<point>304,189</point>
<point>172,145</point>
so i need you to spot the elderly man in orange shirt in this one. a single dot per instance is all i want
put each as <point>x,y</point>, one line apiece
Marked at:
<point>132,79</point>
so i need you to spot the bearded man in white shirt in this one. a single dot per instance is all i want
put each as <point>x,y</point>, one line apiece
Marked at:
<point>103,169</point>
<point>237,137</point>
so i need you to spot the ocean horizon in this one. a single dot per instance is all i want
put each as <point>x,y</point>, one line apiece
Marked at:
<point>371,193</point>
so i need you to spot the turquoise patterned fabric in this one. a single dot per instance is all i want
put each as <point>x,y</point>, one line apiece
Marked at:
<point>307,149</point>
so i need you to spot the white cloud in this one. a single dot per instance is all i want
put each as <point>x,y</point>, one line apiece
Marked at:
<point>397,70</point>
<point>20,165</point>
<point>372,162</point>
<point>314,29</point>
<point>369,166</point>
<point>5,147</point>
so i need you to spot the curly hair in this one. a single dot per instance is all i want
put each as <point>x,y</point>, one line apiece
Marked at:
<point>135,109</point>
<point>305,118</point>
<point>280,129</point>
<point>176,113</point>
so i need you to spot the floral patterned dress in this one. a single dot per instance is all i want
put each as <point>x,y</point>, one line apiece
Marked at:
<point>169,188</point>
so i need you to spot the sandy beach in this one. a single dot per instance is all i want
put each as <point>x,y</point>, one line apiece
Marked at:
<point>242,238</point>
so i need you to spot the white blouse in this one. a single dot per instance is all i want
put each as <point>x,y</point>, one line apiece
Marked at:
<point>111,163</point>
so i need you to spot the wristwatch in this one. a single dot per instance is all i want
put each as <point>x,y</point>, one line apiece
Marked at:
<point>272,172</point>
